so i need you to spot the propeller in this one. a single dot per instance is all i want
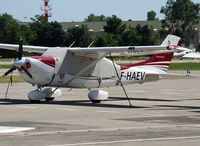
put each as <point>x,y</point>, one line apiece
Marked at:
<point>20,64</point>
<point>27,72</point>
<point>9,71</point>
<point>20,50</point>
<point>19,57</point>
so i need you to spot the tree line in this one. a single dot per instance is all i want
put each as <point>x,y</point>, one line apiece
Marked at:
<point>181,18</point>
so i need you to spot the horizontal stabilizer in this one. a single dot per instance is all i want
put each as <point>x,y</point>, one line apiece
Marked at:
<point>171,75</point>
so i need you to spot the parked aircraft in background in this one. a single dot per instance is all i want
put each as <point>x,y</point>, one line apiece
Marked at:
<point>193,55</point>
<point>181,51</point>
<point>88,68</point>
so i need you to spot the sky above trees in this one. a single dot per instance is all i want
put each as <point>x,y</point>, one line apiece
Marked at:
<point>71,10</point>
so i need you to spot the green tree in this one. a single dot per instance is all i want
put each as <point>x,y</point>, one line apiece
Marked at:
<point>9,29</point>
<point>106,40</point>
<point>80,35</point>
<point>93,17</point>
<point>10,32</point>
<point>130,37</point>
<point>114,25</point>
<point>181,17</point>
<point>151,16</point>
<point>148,37</point>
<point>47,33</point>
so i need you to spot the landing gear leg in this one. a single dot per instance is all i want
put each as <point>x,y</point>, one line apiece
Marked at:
<point>49,99</point>
<point>96,101</point>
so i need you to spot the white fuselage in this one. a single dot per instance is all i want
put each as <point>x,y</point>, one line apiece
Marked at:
<point>44,75</point>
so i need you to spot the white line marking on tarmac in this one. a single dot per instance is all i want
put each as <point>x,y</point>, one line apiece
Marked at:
<point>172,93</point>
<point>137,91</point>
<point>107,112</point>
<point>66,109</point>
<point>132,140</point>
<point>29,107</point>
<point>6,129</point>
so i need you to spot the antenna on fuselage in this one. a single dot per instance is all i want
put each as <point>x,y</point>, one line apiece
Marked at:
<point>72,44</point>
<point>91,44</point>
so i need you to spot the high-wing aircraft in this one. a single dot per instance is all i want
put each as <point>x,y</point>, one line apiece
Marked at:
<point>194,55</point>
<point>181,51</point>
<point>186,53</point>
<point>88,68</point>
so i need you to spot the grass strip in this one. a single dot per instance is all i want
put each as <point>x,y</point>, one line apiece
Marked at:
<point>184,66</point>
<point>5,66</point>
<point>15,78</point>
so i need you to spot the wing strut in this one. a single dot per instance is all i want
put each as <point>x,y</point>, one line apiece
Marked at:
<point>120,81</point>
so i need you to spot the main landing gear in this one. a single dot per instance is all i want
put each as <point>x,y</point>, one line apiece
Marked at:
<point>96,96</point>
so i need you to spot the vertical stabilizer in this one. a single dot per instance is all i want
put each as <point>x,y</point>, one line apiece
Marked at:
<point>171,40</point>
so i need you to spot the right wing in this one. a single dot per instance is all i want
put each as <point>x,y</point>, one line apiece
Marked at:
<point>95,52</point>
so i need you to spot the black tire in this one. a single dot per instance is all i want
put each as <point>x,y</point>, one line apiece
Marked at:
<point>96,101</point>
<point>49,99</point>
<point>34,101</point>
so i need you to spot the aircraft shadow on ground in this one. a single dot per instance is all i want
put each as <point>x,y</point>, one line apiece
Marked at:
<point>142,99</point>
<point>178,107</point>
<point>88,103</point>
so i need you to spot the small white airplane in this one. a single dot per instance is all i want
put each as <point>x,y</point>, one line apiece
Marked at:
<point>186,53</point>
<point>88,68</point>
<point>181,51</point>
<point>193,55</point>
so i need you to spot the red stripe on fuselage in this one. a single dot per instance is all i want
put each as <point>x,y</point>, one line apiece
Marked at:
<point>153,61</point>
<point>47,60</point>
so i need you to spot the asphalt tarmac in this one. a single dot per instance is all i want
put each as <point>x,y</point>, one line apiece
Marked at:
<point>164,113</point>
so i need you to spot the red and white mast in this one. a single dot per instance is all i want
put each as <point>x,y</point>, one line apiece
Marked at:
<point>46,8</point>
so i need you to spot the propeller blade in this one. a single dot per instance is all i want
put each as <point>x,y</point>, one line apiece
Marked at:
<point>9,71</point>
<point>29,74</point>
<point>20,51</point>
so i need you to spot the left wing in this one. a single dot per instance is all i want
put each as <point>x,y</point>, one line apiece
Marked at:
<point>36,49</point>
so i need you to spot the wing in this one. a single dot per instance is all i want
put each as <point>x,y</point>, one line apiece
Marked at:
<point>95,52</point>
<point>37,49</point>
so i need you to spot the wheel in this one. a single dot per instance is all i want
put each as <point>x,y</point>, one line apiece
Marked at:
<point>34,101</point>
<point>96,101</point>
<point>49,98</point>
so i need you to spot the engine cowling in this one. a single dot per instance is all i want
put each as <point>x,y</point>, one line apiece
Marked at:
<point>97,96</point>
